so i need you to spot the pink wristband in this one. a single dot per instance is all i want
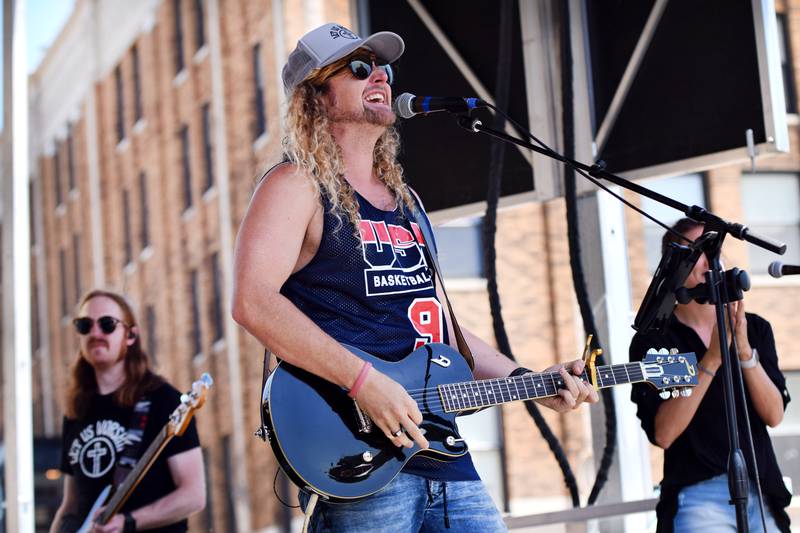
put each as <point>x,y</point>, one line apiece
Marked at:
<point>362,376</point>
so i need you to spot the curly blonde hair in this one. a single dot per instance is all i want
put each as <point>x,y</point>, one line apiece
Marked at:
<point>310,145</point>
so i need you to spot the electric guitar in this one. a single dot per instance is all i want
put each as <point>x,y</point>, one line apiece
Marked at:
<point>113,500</point>
<point>326,444</point>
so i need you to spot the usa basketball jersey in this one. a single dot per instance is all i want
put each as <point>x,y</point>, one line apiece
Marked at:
<point>376,293</point>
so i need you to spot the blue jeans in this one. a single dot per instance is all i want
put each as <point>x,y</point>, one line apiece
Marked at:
<point>703,507</point>
<point>410,504</point>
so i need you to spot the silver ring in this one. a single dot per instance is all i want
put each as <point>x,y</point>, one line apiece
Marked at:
<point>398,432</point>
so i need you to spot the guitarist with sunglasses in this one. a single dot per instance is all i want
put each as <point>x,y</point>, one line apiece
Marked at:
<point>330,251</point>
<point>116,405</point>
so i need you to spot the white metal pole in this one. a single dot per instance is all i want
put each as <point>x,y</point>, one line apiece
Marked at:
<point>17,419</point>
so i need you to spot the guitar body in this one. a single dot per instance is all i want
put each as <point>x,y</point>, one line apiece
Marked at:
<point>318,436</point>
<point>98,503</point>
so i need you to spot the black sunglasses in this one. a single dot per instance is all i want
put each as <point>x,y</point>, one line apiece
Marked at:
<point>107,324</point>
<point>361,67</point>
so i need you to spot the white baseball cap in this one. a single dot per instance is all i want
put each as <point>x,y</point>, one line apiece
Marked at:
<point>331,42</point>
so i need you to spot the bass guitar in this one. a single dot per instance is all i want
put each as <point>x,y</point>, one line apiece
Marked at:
<point>112,500</point>
<point>327,445</point>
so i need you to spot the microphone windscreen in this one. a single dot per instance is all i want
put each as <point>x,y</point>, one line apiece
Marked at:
<point>774,269</point>
<point>402,105</point>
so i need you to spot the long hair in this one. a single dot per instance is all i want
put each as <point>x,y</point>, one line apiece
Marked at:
<point>139,378</point>
<point>310,145</point>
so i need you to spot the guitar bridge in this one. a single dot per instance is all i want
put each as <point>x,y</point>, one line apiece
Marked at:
<point>364,421</point>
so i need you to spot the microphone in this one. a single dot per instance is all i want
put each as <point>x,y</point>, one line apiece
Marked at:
<point>407,105</point>
<point>777,269</point>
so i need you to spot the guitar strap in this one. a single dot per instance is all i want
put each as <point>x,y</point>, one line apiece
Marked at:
<point>432,253</point>
<point>130,454</point>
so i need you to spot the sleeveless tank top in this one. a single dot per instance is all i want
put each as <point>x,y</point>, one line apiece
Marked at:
<point>376,293</point>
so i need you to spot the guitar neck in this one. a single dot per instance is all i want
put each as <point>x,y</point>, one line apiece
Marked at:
<point>135,476</point>
<point>470,395</point>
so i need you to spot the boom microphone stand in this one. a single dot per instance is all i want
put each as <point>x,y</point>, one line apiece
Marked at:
<point>716,288</point>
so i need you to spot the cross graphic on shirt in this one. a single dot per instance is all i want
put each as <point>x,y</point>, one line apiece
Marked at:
<point>95,454</point>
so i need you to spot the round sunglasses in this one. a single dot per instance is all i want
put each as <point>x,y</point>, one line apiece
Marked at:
<point>361,67</point>
<point>107,324</point>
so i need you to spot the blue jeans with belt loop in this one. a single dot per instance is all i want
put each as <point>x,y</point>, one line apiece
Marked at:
<point>703,507</point>
<point>410,504</point>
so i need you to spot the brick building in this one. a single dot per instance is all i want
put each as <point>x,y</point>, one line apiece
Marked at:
<point>151,122</point>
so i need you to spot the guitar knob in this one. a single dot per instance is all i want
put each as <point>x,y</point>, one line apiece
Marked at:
<point>675,393</point>
<point>686,392</point>
<point>367,456</point>
<point>451,440</point>
<point>665,394</point>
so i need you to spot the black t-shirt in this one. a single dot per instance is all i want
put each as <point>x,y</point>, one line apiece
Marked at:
<point>91,448</point>
<point>701,451</point>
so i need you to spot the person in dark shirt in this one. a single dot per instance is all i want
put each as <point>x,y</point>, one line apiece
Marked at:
<point>110,378</point>
<point>329,252</point>
<point>693,430</point>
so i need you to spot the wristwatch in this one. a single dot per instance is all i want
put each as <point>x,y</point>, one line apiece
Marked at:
<point>750,363</point>
<point>130,524</point>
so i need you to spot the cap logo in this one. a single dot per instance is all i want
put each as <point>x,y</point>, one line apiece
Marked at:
<point>338,31</point>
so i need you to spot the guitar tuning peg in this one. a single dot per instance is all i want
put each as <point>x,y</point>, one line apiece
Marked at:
<point>686,392</point>
<point>185,398</point>
<point>652,351</point>
<point>663,351</point>
<point>675,393</point>
<point>673,351</point>
<point>665,394</point>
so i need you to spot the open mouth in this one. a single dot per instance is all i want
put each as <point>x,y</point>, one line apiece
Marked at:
<point>375,98</point>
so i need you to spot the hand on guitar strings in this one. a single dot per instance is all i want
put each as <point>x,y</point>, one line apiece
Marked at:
<point>576,390</point>
<point>390,407</point>
<point>116,524</point>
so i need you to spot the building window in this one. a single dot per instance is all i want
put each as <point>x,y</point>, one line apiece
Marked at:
<point>786,65</point>
<point>260,124</point>
<point>689,189</point>
<point>197,337</point>
<point>460,247</point>
<point>200,24</point>
<point>36,334</point>
<point>76,265</point>
<point>120,104</point>
<point>771,204</point>
<point>32,207</point>
<point>216,303</point>
<point>179,64</point>
<point>70,158</point>
<point>187,170</point>
<point>57,174</point>
<point>207,160</point>
<point>229,484</point>
<point>150,331</point>
<point>126,226</point>
<point>62,267</point>
<point>208,512</point>
<point>137,85</point>
<point>144,209</point>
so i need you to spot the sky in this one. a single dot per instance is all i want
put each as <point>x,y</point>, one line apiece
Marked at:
<point>43,21</point>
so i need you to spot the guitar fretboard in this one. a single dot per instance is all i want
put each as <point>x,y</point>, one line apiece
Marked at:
<point>469,395</point>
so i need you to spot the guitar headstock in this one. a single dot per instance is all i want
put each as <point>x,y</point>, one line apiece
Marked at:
<point>670,372</point>
<point>190,402</point>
